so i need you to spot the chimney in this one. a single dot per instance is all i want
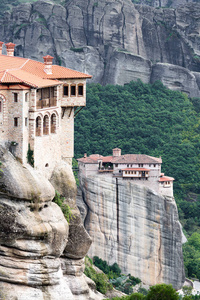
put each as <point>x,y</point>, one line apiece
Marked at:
<point>116,152</point>
<point>10,49</point>
<point>1,45</point>
<point>48,64</point>
<point>85,155</point>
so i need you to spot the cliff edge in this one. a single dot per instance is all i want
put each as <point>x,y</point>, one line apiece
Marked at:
<point>135,227</point>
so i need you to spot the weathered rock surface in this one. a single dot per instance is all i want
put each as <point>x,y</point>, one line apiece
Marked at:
<point>176,78</point>
<point>36,241</point>
<point>135,227</point>
<point>115,41</point>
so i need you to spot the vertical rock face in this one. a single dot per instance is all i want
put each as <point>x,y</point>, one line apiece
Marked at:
<point>136,228</point>
<point>34,235</point>
<point>115,41</point>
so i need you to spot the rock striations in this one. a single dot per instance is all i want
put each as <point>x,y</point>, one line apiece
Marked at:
<point>115,41</point>
<point>41,255</point>
<point>135,227</point>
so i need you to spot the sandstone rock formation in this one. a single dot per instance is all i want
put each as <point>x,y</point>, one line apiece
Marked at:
<point>41,255</point>
<point>115,41</point>
<point>135,227</point>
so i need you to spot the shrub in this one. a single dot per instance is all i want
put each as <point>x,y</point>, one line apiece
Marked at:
<point>162,292</point>
<point>66,209</point>
<point>137,296</point>
<point>100,279</point>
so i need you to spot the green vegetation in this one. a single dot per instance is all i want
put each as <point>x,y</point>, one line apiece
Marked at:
<point>121,282</point>
<point>112,271</point>
<point>101,279</point>
<point>30,158</point>
<point>162,292</point>
<point>191,253</point>
<point>66,209</point>
<point>153,120</point>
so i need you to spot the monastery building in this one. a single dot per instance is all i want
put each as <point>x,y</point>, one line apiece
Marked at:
<point>38,103</point>
<point>143,169</point>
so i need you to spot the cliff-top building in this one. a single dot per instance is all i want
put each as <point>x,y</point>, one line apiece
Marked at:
<point>143,169</point>
<point>38,103</point>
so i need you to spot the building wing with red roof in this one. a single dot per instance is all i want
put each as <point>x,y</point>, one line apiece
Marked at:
<point>38,103</point>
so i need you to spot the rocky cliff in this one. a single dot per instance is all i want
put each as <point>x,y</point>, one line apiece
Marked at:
<point>41,255</point>
<point>135,227</point>
<point>115,41</point>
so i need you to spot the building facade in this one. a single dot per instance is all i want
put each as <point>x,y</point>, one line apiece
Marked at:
<point>142,169</point>
<point>38,103</point>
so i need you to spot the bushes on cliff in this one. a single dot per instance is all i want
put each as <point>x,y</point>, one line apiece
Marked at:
<point>101,280</point>
<point>67,212</point>
<point>112,271</point>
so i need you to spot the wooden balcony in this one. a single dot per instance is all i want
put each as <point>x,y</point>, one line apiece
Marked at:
<point>44,103</point>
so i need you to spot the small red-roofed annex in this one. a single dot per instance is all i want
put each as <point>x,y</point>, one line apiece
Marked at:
<point>38,102</point>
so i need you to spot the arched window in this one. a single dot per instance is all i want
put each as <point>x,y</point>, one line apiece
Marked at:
<point>38,126</point>
<point>53,123</point>
<point>46,125</point>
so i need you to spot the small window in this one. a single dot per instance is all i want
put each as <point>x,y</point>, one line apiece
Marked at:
<point>80,90</point>
<point>65,90</point>
<point>127,165</point>
<point>16,122</point>
<point>0,106</point>
<point>116,165</point>
<point>26,122</point>
<point>73,90</point>
<point>15,97</point>
<point>26,97</point>
<point>154,166</point>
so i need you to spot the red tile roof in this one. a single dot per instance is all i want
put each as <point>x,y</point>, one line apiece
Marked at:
<point>136,158</point>
<point>107,159</point>
<point>126,159</point>
<point>166,178</point>
<point>22,70</point>
<point>88,160</point>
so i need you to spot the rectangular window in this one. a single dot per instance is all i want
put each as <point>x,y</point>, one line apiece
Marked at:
<point>0,106</point>
<point>116,165</point>
<point>80,90</point>
<point>26,122</point>
<point>15,97</point>
<point>73,90</point>
<point>65,90</point>
<point>16,122</point>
